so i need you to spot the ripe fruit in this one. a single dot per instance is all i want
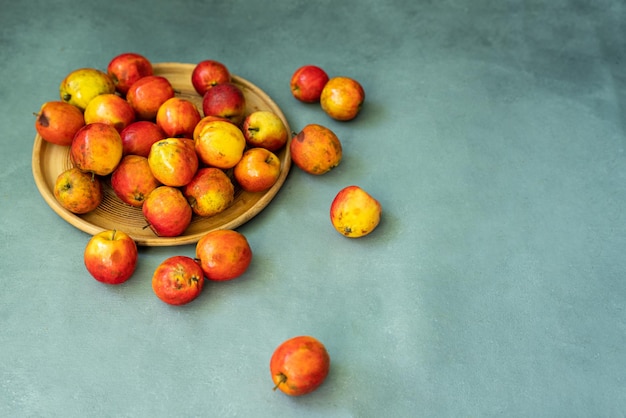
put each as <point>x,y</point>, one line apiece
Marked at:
<point>126,68</point>
<point>138,137</point>
<point>209,192</point>
<point>77,191</point>
<point>342,98</point>
<point>57,122</point>
<point>207,74</point>
<point>307,83</point>
<point>299,365</point>
<point>354,213</point>
<point>167,212</point>
<point>147,94</point>
<point>265,129</point>
<point>316,149</point>
<point>97,148</point>
<point>132,180</point>
<point>225,100</point>
<point>110,109</point>
<point>178,280</point>
<point>82,85</point>
<point>224,254</point>
<point>173,161</point>
<point>258,170</point>
<point>111,257</point>
<point>219,143</point>
<point>178,117</point>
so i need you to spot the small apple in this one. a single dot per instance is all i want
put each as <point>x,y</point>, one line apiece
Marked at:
<point>225,100</point>
<point>263,128</point>
<point>354,213</point>
<point>83,84</point>
<point>224,254</point>
<point>110,109</point>
<point>316,149</point>
<point>132,181</point>
<point>173,161</point>
<point>299,365</point>
<point>77,191</point>
<point>207,74</point>
<point>307,83</point>
<point>210,191</point>
<point>258,170</point>
<point>124,69</point>
<point>111,256</point>
<point>342,98</point>
<point>219,143</point>
<point>147,94</point>
<point>178,117</point>
<point>138,137</point>
<point>97,148</point>
<point>57,122</point>
<point>178,280</point>
<point>167,212</point>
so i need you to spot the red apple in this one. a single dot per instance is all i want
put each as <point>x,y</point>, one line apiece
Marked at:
<point>258,170</point>
<point>132,181</point>
<point>207,74</point>
<point>173,161</point>
<point>110,109</point>
<point>209,192</point>
<point>126,68</point>
<point>299,365</point>
<point>97,148</point>
<point>178,280</point>
<point>265,129</point>
<point>57,122</point>
<point>178,117</point>
<point>225,100</point>
<point>138,137</point>
<point>167,212</point>
<point>111,256</point>
<point>77,191</point>
<point>147,94</point>
<point>342,98</point>
<point>224,254</point>
<point>307,83</point>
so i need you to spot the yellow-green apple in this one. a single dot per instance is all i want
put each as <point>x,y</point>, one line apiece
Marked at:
<point>219,143</point>
<point>132,181</point>
<point>97,148</point>
<point>147,94</point>
<point>81,85</point>
<point>178,280</point>
<point>316,149</point>
<point>210,191</point>
<point>226,100</point>
<point>263,128</point>
<point>299,365</point>
<point>342,98</point>
<point>126,68</point>
<point>354,212</point>
<point>77,191</point>
<point>224,254</point>
<point>307,83</point>
<point>208,73</point>
<point>167,212</point>
<point>138,137</point>
<point>258,170</point>
<point>57,122</point>
<point>173,161</point>
<point>111,256</point>
<point>110,109</point>
<point>178,117</point>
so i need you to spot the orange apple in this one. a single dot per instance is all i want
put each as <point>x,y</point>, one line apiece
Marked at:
<point>316,149</point>
<point>77,191</point>
<point>224,254</point>
<point>178,117</point>
<point>299,365</point>
<point>173,161</point>
<point>111,256</point>
<point>167,212</point>
<point>219,143</point>
<point>132,181</point>
<point>258,170</point>
<point>110,109</point>
<point>147,94</point>
<point>207,74</point>
<point>57,122</point>
<point>97,148</point>
<point>138,137</point>
<point>178,280</point>
<point>265,129</point>
<point>209,192</point>
<point>342,98</point>
<point>126,68</point>
<point>307,83</point>
<point>225,100</point>
<point>354,212</point>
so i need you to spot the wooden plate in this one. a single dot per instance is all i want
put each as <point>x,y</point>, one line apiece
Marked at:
<point>49,160</point>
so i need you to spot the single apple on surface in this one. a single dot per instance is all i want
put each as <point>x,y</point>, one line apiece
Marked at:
<point>224,254</point>
<point>354,212</point>
<point>138,137</point>
<point>77,191</point>
<point>258,170</point>
<point>57,122</point>
<point>110,109</point>
<point>173,161</point>
<point>207,74</point>
<point>299,365</point>
<point>178,117</point>
<point>342,98</point>
<point>265,129</point>
<point>210,191</point>
<point>124,69</point>
<point>218,143</point>
<point>132,181</point>
<point>83,84</point>
<point>225,100</point>
<point>111,257</point>
<point>178,280</point>
<point>167,212</point>
<point>307,83</point>
<point>147,94</point>
<point>316,149</point>
<point>97,148</point>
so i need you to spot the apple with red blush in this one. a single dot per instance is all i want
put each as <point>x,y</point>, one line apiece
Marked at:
<point>126,68</point>
<point>138,137</point>
<point>265,129</point>
<point>147,94</point>
<point>178,117</point>
<point>307,83</point>
<point>207,74</point>
<point>57,122</point>
<point>111,256</point>
<point>225,100</point>
<point>258,170</point>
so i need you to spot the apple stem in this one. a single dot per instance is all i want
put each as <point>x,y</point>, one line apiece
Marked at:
<point>113,235</point>
<point>281,379</point>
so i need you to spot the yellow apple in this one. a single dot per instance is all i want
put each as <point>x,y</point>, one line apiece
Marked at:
<point>265,129</point>
<point>342,98</point>
<point>219,143</point>
<point>82,85</point>
<point>355,213</point>
<point>209,192</point>
<point>77,191</point>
